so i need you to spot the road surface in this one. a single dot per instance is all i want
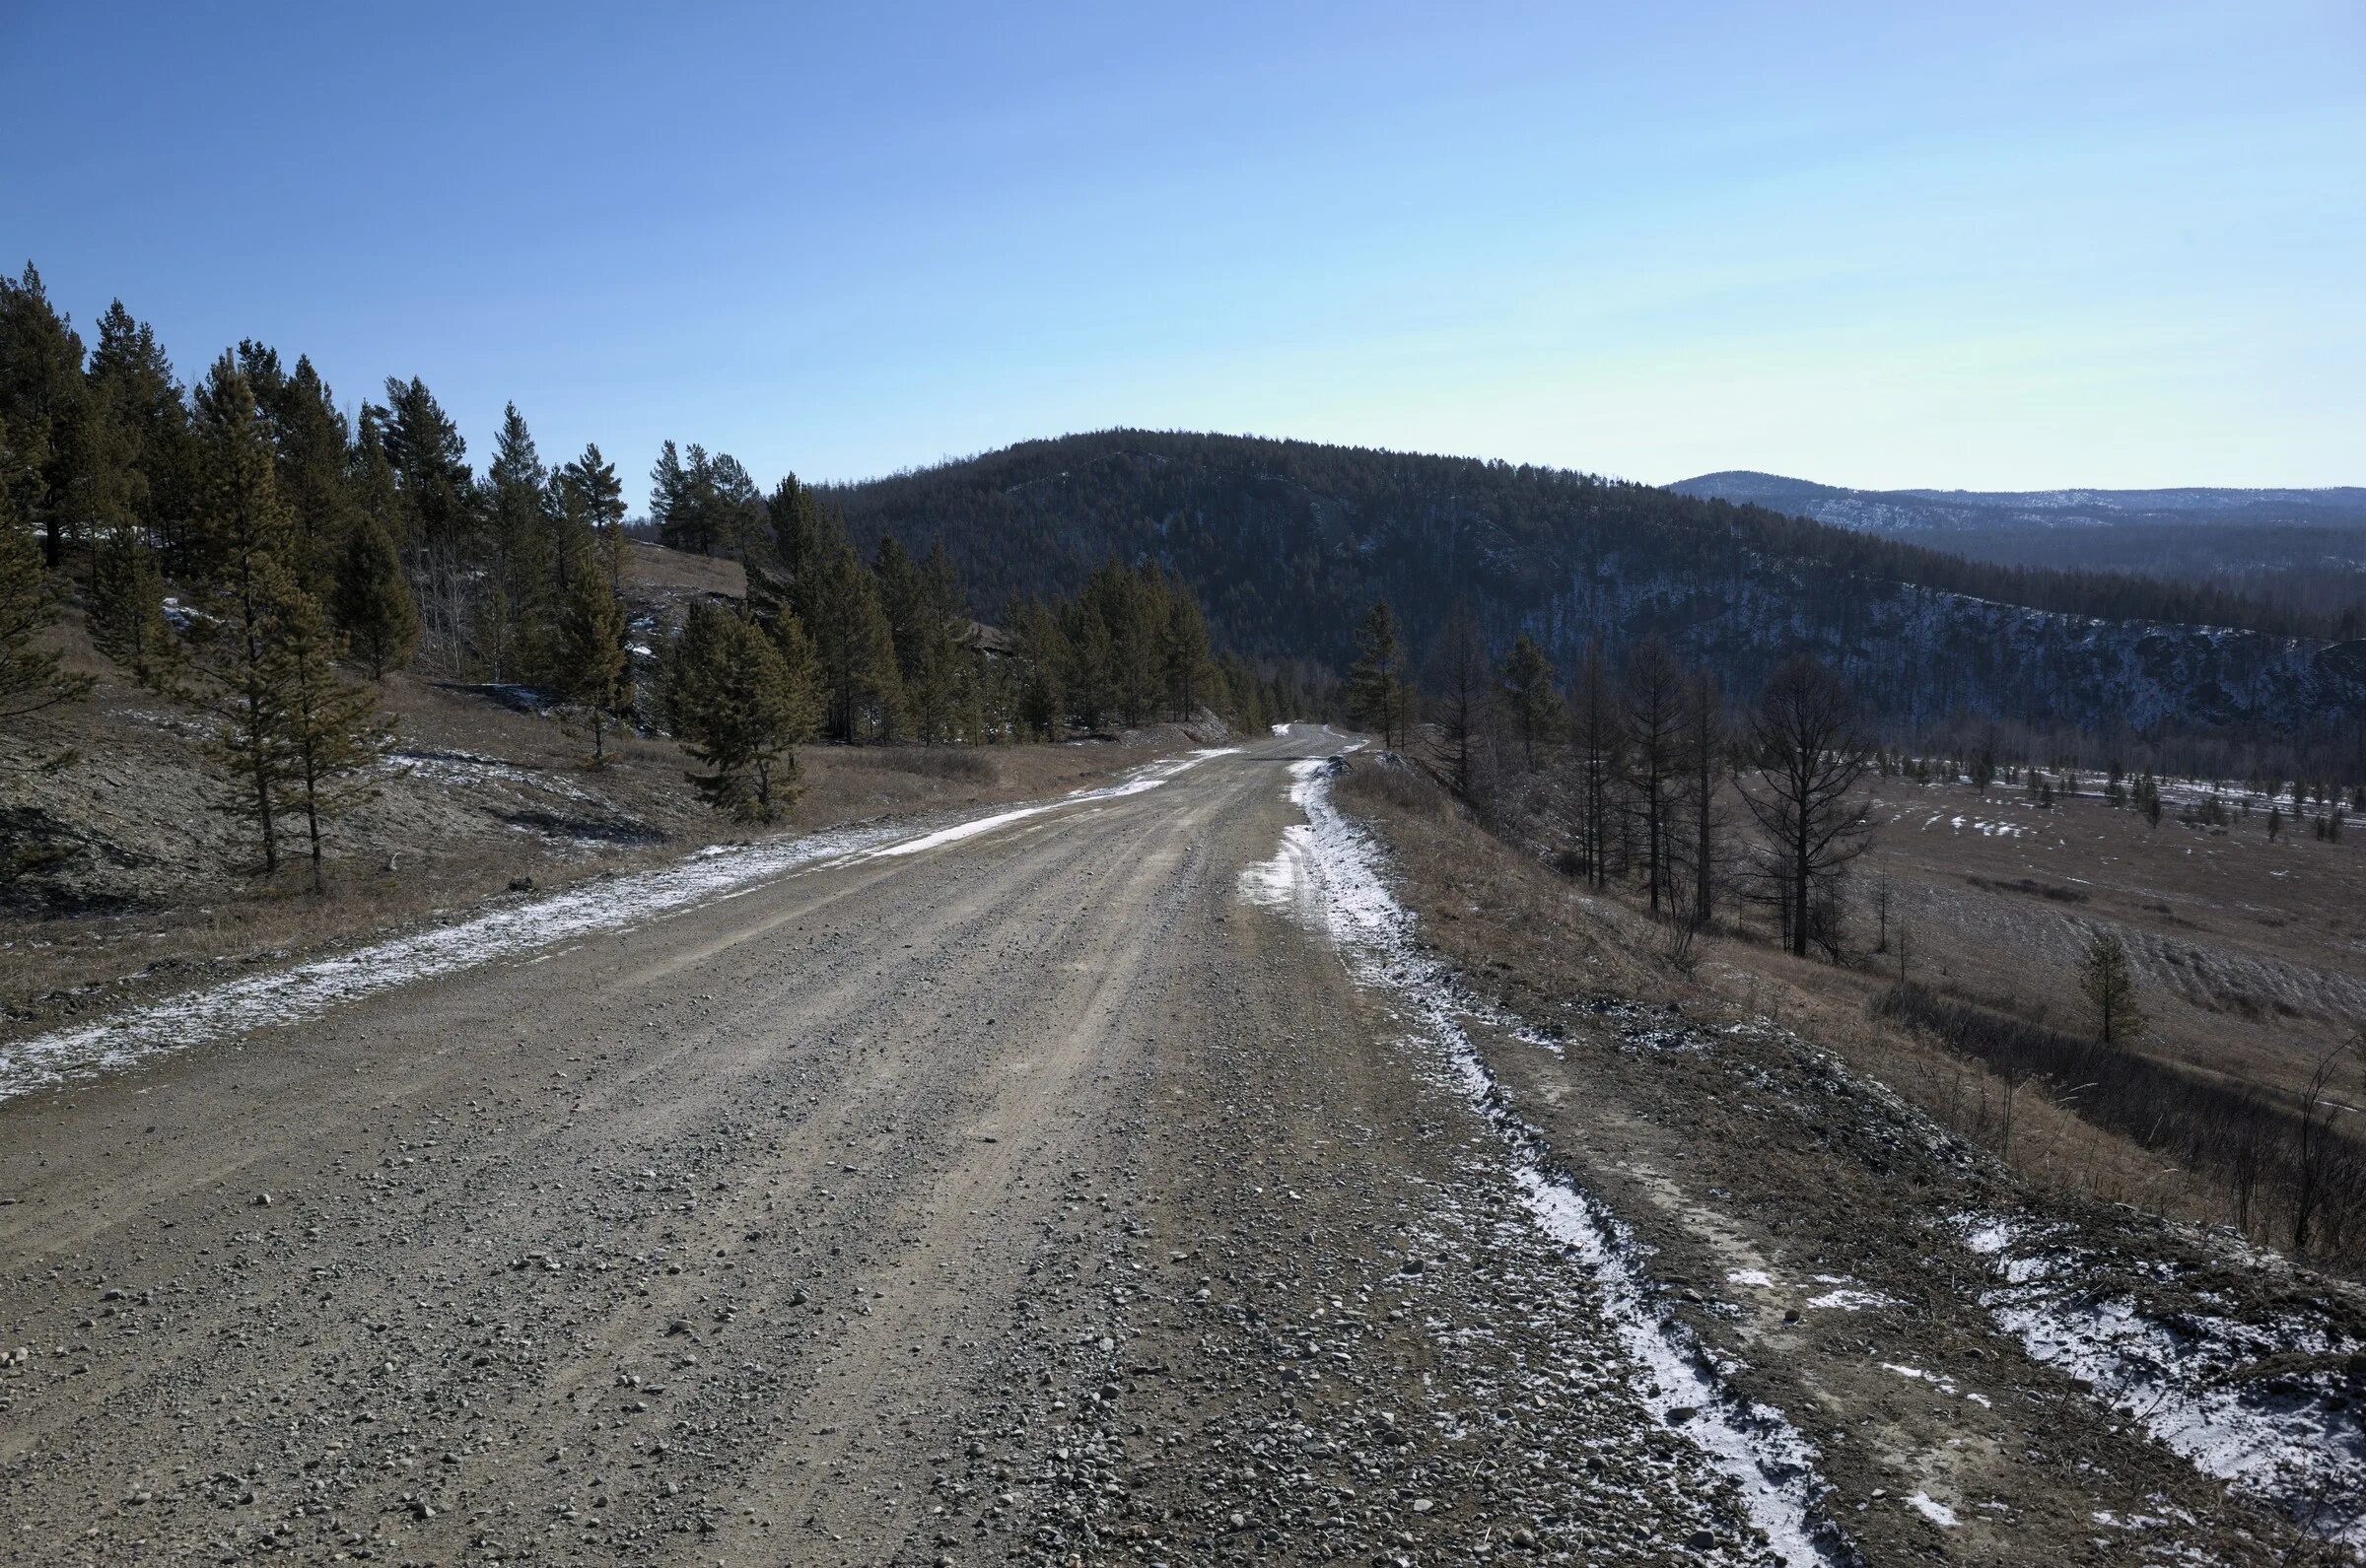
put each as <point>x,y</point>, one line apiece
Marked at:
<point>1027,1195</point>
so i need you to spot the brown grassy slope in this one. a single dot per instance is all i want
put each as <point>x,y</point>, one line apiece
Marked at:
<point>1763,1183</point>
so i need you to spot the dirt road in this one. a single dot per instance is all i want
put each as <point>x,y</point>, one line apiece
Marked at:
<point>1018,1195</point>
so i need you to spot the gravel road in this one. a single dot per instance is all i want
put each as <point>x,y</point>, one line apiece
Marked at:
<point>1028,1196</point>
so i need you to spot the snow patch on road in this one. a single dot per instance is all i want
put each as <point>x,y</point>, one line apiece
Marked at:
<point>2294,1441</point>
<point>1770,1462</point>
<point>1288,882</point>
<point>308,989</point>
<point>1135,784</point>
<point>1145,779</point>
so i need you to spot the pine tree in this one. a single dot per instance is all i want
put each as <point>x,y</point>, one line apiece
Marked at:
<point>325,731</point>
<point>737,522</point>
<point>669,487</point>
<point>30,677</point>
<point>126,615</point>
<point>373,600</point>
<point>315,445</point>
<point>594,498</point>
<point>1085,676</point>
<point>922,603</point>
<point>1810,756</point>
<point>513,610</point>
<point>1530,696</point>
<point>836,601</point>
<point>1462,682</point>
<point>799,532</point>
<point>430,469</point>
<point>1183,654</point>
<point>596,668</point>
<point>244,531</point>
<point>1043,657</point>
<point>1130,609</point>
<point>737,705</point>
<point>2108,982</point>
<point>132,379</point>
<point>1376,696</point>
<point>705,505</point>
<point>1704,753</point>
<point>42,396</point>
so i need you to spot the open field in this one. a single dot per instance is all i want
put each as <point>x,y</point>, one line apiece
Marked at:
<point>2251,954</point>
<point>2249,958</point>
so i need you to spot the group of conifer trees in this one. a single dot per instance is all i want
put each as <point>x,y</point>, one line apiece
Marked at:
<point>1647,764</point>
<point>828,643</point>
<point>235,542</point>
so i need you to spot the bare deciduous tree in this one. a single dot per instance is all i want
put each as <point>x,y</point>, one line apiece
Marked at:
<point>1653,705</point>
<point>1463,678</point>
<point>1596,744</point>
<point>1704,757</point>
<point>1810,756</point>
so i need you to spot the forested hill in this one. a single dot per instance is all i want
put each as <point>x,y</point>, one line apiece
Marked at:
<point>1289,542</point>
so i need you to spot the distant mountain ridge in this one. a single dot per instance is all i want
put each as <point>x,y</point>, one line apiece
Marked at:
<point>2303,551</point>
<point>1288,543</point>
<point>1948,510</point>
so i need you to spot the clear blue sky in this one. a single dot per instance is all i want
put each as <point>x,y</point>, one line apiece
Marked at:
<point>2011,245</point>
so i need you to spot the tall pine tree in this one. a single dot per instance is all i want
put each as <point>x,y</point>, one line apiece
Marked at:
<point>30,676</point>
<point>41,397</point>
<point>595,667</point>
<point>325,731</point>
<point>245,531</point>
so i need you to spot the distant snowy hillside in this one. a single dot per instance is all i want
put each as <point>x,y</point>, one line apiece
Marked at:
<point>1950,511</point>
<point>2302,550</point>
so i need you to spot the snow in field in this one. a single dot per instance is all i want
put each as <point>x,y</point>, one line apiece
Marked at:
<point>1766,1459</point>
<point>308,989</point>
<point>2292,1446</point>
<point>1850,1301</point>
<point>1985,827</point>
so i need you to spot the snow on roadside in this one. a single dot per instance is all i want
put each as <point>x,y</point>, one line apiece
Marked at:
<point>1771,1463</point>
<point>307,991</point>
<point>2294,1441</point>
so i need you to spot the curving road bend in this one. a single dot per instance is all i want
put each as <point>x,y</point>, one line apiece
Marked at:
<point>1023,1194</point>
